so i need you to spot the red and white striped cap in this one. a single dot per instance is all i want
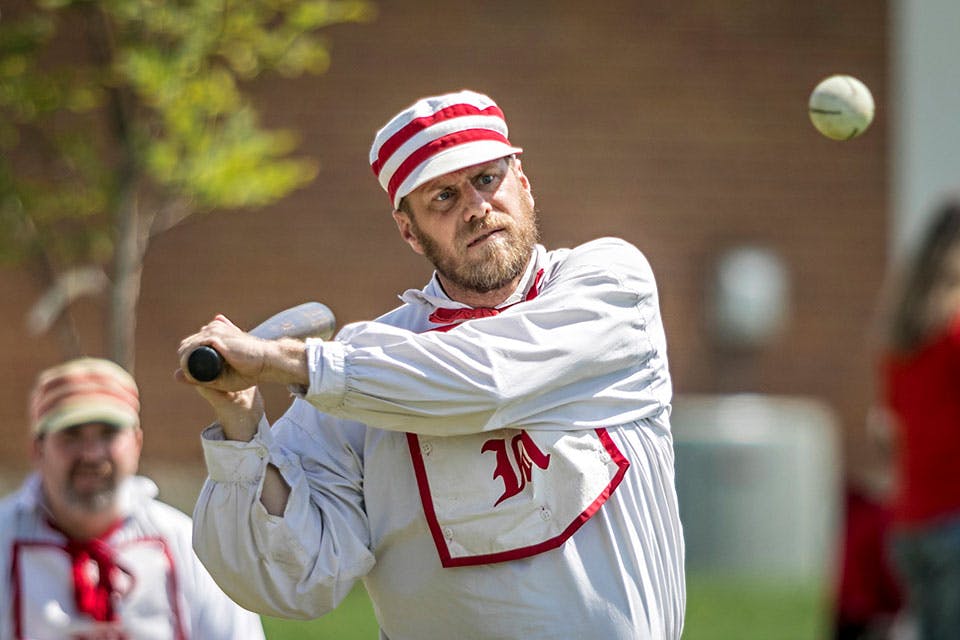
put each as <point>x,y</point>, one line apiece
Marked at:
<point>81,391</point>
<point>435,136</point>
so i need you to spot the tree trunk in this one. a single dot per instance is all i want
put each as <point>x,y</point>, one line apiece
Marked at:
<point>129,239</point>
<point>129,249</point>
<point>64,327</point>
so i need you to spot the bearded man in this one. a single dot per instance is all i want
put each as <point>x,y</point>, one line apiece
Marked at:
<point>86,550</point>
<point>493,458</point>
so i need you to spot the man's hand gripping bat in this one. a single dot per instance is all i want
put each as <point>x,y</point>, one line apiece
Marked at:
<point>308,320</point>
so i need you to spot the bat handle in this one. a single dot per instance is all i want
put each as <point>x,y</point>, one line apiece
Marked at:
<point>205,364</point>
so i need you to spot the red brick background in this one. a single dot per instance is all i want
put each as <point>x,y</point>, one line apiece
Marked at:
<point>681,127</point>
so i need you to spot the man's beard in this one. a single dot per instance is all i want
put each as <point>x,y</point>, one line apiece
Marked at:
<point>498,265</point>
<point>91,500</point>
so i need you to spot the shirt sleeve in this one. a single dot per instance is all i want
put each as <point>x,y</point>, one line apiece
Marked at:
<point>587,352</point>
<point>303,563</point>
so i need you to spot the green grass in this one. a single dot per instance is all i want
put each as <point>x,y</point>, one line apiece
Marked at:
<point>718,608</point>
<point>352,620</point>
<point>724,608</point>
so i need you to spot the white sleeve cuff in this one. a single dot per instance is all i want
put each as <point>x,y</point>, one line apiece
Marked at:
<point>235,460</point>
<point>325,362</point>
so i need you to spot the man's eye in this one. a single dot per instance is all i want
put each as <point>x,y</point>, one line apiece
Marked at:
<point>444,195</point>
<point>487,179</point>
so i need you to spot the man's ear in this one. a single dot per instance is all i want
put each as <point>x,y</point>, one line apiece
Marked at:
<point>139,445</point>
<point>522,177</point>
<point>405,226</point>
<point>518,167</point>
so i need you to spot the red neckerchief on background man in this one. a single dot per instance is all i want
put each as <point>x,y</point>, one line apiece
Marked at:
<point>94,591</point>
<point>453,316</point>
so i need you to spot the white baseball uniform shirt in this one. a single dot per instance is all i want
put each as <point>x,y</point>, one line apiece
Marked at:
<point>166,592</point>
<point>508,477</point>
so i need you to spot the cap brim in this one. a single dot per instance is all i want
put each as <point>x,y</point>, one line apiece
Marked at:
<point>82,413</point>
<point>453,159</point>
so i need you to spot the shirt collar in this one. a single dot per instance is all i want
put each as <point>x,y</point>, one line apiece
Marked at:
<point>433,296</point>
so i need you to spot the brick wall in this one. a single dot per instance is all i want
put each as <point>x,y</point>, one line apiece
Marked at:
<point>681,127</point>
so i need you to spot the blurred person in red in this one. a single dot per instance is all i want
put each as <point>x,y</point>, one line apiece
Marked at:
<point>920,377</point>
<point>868,601</point>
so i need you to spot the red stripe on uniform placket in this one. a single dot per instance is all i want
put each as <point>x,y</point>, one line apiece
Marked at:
<point>436,532</point>
<point>414,127</point>
<point>552,543</point>
<point>426,499</point>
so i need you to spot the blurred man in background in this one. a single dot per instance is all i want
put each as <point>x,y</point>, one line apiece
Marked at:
<point>86,551</point>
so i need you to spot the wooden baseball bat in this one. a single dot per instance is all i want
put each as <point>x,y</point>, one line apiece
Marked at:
<point>307,320</point>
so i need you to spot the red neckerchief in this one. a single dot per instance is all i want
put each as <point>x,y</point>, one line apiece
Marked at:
<point>456,315</point>
<point>94,592</point>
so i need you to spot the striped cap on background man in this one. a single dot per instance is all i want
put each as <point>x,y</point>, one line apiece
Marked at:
<point>81,391</point>
<point>435,136</point>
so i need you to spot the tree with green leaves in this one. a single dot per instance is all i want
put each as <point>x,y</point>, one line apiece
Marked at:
<point>121,118</point>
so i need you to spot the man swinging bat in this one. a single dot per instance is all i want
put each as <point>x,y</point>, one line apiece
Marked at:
<point>493,458</point>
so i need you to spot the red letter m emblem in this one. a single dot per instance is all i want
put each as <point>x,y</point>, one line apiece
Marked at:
<point>525,455</point>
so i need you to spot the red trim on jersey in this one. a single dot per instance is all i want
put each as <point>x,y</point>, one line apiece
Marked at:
<point>172,585</point>
<point>15,588</point>
<point>423,482</point>
<point>447,560</point>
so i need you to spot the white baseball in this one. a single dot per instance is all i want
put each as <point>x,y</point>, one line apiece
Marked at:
<point>841,107</point>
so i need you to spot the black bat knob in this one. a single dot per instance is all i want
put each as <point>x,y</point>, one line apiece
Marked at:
<point>205,364</point>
